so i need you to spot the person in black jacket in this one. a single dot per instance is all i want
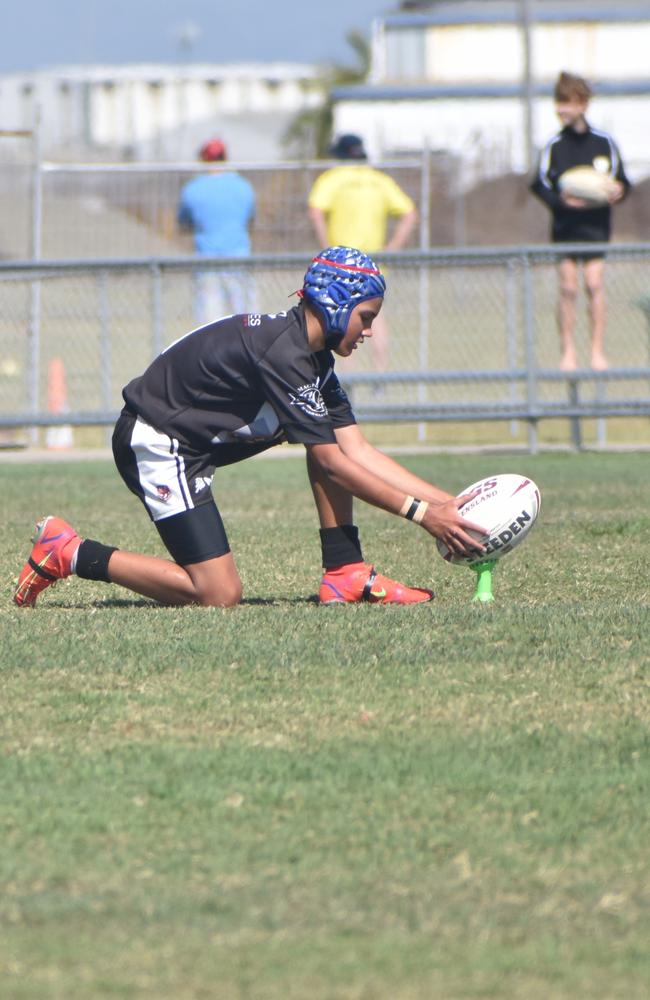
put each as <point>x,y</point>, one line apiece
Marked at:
<point>574,220</point>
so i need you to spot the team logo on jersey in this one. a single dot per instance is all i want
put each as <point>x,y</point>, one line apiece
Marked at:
<point>164,493</point>
<point>602,164</point>
<point>309,399</point>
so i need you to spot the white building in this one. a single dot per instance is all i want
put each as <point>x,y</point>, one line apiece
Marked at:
<point>454,76</point>
<point>159,112</point>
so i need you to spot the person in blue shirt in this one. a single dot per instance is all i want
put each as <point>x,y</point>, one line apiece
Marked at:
<point>218,207</point>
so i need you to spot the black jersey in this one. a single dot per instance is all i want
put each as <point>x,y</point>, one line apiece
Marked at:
<point>244,382</point>
<point>577,149</point>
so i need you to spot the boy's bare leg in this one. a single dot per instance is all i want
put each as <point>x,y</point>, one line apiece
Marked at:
<point>333,503</point>
<point>214,582</point>
<point>595,289</point>
<point>566,312</point>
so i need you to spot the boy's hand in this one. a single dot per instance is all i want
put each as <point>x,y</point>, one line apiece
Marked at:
<point>444,521</point>
<point>572,202</point>
<point>617,192</point>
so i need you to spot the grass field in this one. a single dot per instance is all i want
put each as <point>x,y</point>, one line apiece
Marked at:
<point>283,801</point>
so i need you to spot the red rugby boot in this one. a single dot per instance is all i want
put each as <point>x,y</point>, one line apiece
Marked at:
<point>55,543</point>
<point>360,582</point>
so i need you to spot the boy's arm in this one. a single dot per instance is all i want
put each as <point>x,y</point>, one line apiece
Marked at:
<point>368,474</point>
<point>542,185</point>
<point>623,185</point>
<point>183,214</point>
<point>441,519</point>
<point>353,444</point>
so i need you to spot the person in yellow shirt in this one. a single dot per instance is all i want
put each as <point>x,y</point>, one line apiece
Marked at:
<point>350,205</point>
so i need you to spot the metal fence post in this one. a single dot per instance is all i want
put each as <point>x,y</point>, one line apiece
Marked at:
<point>574,399</point>
<point>156,310</point>
<point>511,333</point>
<point>105,353</point>
<point>601,423</point>
<point>36,238</point>
<point>425,307</point>
<point>529,352</point>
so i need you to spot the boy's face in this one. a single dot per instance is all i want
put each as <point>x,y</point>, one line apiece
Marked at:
<point>571,112</point>
<point>359,326</point>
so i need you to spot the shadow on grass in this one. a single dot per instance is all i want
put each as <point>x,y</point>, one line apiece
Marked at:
<point>112,603</point>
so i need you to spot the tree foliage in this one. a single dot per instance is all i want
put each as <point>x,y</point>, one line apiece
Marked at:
<point>309,134</point>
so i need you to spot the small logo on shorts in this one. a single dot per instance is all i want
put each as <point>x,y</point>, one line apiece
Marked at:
<point>202,483</point>
<point>164,493</point>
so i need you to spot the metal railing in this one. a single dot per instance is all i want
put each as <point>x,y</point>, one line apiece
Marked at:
<point>472,335</point>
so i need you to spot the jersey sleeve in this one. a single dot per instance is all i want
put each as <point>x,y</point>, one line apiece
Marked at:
<point>619,169</point>
<point>397,201</point>
<point>543,184</point>
<point>335,397</point>
<point>291,383</point>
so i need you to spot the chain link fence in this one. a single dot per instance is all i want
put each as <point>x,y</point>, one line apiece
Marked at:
<point>130,209</point>
<point>57,211</point>
<point>472,339</point>
<point>117,210</point>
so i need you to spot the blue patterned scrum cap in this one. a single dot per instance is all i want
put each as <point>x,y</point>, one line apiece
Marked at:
<point>336,281</point>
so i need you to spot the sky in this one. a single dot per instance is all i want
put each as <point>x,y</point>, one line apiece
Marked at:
<point>42,34</point>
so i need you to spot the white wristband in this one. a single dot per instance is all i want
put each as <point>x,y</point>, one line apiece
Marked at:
<point>422,508</point>
<point>406,507</point>
<point>413,510</point>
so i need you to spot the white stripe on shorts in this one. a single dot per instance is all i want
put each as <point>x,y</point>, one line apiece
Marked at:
<point>161,472</point>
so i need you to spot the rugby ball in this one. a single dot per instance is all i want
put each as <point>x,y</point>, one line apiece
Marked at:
<point>507,507</point>
<point>591,185</point>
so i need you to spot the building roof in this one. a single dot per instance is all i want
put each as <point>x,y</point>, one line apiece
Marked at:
<point>421,12</point>
<point>430,91</point>
<point>148,72</point>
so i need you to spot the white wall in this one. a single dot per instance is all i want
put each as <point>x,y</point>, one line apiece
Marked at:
<point>139,108</point>
<point>484,53</point>
<point>488,133</point>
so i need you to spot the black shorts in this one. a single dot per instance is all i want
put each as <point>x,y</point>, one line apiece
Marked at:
<point>581,256</point>
<point>173,483</point>
<point>584,258</point>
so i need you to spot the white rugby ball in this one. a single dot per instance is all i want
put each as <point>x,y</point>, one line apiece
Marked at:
<point>506,506</point>
<point>591,185</point>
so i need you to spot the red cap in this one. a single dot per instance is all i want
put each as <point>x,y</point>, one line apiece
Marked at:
<point>213,149</point>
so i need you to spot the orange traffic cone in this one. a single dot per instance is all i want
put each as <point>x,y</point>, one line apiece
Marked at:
<point>59,437</point>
